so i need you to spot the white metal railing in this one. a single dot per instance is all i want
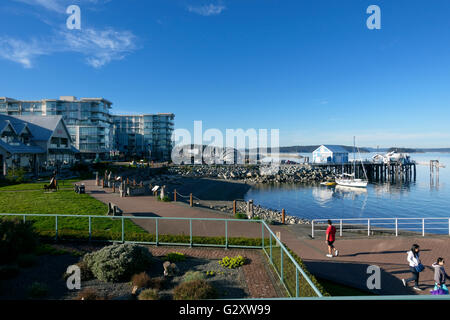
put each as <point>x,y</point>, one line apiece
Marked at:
<point>420,225</point>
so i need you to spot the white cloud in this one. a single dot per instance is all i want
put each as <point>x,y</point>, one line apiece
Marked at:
<point>100,46</point>
<point>53,5</point>
<point>60,5</point>
<point>207,10</point>
<point>20,51</point>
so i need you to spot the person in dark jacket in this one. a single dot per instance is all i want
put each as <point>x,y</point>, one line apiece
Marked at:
<point>440,275</point>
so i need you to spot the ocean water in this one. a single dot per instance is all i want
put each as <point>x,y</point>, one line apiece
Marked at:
<point>424,197</point>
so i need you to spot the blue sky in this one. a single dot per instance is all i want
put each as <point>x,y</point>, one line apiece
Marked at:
<point>309,68</point>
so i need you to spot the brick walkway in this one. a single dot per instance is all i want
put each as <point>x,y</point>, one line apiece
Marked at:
<point>350,268</point>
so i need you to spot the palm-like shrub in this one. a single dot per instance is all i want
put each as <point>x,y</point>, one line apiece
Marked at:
<point>118,262</point>
<point>149,294</point>
<point>194,290</point>
<point>194,275</point>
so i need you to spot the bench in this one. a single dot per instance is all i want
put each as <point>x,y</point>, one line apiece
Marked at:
<point>114,210</point>
<point>80,189</point>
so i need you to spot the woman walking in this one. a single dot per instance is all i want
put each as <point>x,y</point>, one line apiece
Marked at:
<point>415,266</point>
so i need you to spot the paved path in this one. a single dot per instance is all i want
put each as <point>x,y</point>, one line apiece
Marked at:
<point>356,254</point>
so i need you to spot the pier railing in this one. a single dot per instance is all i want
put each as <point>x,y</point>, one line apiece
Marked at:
<point>384,226</point>
<point>188,232</point>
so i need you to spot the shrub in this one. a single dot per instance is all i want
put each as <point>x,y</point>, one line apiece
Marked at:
<point>16,176</point>
<point>194,275</point>
<point>141,280</point>
<point>8,271</point>
<point>194,290</point>
<point>210,273</point>
<point>86,273</point>
<point>118,262</point>
<point>240,215</point>
<point>38,290</point>
<point>232,263</point>
<point>26,260</point>
<point>16,237</point>
<point>176,257</point>
<point>89,294</point>
<point>149,294</point>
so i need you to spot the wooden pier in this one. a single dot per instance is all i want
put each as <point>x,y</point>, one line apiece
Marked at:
<point>376,172</point>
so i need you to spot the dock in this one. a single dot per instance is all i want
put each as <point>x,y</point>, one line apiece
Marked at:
<point>376,172</point>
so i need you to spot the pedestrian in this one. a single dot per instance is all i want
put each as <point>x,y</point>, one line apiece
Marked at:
<point>415,266</point>
<point>330,237</point>
<point>440,275</point>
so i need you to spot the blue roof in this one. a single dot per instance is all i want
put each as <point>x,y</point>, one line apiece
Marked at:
<point>334,148</point>
<point>20,148</point>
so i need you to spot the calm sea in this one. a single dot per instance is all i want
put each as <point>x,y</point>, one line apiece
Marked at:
<point>421,198</point>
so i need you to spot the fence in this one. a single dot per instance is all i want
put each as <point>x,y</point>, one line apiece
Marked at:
<point>388,226</point>
<point>291,274</point>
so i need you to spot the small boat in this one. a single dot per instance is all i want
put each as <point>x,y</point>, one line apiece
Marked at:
<point>328,183</point>
<point>348,180</point>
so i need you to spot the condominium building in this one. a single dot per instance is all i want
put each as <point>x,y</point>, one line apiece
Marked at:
<point>87,119</point>
<point>148,135</point>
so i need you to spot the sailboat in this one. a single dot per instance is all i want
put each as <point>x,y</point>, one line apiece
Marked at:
<point>349,179</point>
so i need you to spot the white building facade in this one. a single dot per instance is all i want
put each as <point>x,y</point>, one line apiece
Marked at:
<point>330,154</point>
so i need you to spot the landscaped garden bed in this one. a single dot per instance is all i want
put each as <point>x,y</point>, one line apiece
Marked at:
<point>122,272</point>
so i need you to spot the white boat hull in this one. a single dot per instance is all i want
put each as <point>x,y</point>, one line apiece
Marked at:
<point>356,183</point>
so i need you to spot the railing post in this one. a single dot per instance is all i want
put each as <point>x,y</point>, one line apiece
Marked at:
<point>156,230</point>
<point>190,231</point>
<point>283,216</point>
<point>123,230</point>
<point>24,218</point>
<point>262,235</point>
<point>340,227</point>
<point>90,228</point>
<point>191,202</point>
<point>226,234</point>
<point>234,207</point>
<point>312,229</point>
<point>56,228</point>
<point>396,227</point>
<point>270,242</point>
<point>281,268</point>
<point>423,227</point>
<point>175,195</point>
<point>368,227</point>
<point>296,283</point>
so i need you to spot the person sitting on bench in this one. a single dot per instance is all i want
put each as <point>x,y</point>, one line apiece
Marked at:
<point>53,184</point>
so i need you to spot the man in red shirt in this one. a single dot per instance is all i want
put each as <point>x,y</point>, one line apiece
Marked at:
<point>330,238</point>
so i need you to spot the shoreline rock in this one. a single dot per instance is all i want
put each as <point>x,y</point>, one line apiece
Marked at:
<point>256,173</point>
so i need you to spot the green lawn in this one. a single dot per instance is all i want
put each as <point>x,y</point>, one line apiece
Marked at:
<point>64,202</point>
<point>63,184</point>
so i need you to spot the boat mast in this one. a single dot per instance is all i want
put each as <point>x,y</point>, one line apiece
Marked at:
<point>354,159</point>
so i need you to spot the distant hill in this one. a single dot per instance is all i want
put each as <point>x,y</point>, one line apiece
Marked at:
<point>310,149</point>
<point>405,150</point>
<point>408,150</point>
